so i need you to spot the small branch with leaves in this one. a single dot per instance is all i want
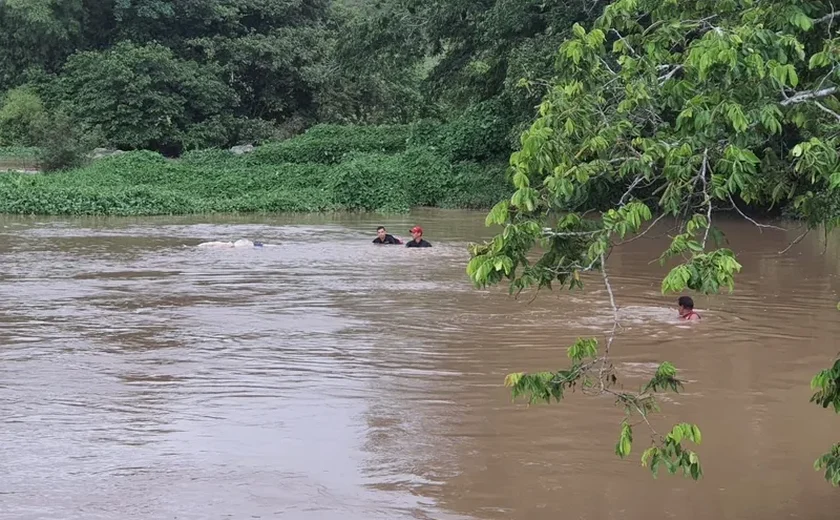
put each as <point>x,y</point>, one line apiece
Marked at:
<point>826,386</point>
<point>664,450</point>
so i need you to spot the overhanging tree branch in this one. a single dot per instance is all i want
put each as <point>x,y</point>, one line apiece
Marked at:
<point>827,110</point>
<point>827,18</point>
<point>615,321</point>
<point>760,226</point>
<point>707,200</point>
<point>808,95</point>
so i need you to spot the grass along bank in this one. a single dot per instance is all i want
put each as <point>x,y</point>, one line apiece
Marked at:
<point>326,169</point>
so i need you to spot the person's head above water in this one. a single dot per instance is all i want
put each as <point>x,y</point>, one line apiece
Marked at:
<point>382,237</point>
<point>417,238</point>
<point>686,306</point>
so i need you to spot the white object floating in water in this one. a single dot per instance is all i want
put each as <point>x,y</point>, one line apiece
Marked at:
<point>242,242</point>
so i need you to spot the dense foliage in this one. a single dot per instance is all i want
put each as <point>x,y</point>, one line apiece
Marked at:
<point>305,173</point>
<point>827,393</point>
<point>172,76</point>
<point>690,107</point>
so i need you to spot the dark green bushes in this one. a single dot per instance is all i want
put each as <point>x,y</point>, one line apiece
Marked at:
<point>328,144</point>
<point>480,134</point>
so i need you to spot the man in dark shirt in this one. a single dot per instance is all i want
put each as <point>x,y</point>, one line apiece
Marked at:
<point>417,233</point>
<point>382,237</point>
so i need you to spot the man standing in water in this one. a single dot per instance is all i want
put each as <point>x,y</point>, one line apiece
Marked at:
<point>417,233</point>
<point>686,305</point>
<point>382,237</point>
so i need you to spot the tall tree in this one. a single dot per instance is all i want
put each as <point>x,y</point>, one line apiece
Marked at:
<point>36,33</point>
<point>142,96</point>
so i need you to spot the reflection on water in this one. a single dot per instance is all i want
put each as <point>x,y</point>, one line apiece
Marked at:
<point>142,377</point>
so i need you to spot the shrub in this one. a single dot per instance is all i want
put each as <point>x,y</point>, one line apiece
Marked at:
<point>146,183</point>
<point>329,144</point>
<point>61,146</point>
<point>369,182</point>
<point>479,134</point>
<point>144,96</point>
<point>427,176</point>
<point>477,186</point>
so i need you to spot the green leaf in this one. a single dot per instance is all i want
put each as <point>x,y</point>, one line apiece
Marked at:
<point>792,77</point>
<point>513,379</point>
<point>498,215</point>
<point>819,59</point>
<point>520,180</point>
<point>625,440</point>
<point>583,348</point>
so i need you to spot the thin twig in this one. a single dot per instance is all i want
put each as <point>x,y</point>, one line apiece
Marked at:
<point>795,241</point>
<point>620,37</point>
<point>668,76</point>
<point>615,321</point>
<point>633,185</point>
<point>643,233</point>
<point>826,76</point>
<point>577,267</point>
<point>607,66</point>
<point>547,232</point>
<point>751,220</point>
<point>827,18</point>
<point>827,110</point>
<point>707,199</point>
<point>623,399</point>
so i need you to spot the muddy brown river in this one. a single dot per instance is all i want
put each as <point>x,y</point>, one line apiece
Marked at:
<point>144,378</point>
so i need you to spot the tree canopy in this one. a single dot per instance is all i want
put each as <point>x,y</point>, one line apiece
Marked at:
<point>188,74</point>
<point>289,64</point>
<point>689,107</point>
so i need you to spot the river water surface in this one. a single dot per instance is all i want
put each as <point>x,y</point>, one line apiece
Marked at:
<point>144,378</point>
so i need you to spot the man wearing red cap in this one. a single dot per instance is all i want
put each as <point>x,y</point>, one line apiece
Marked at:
<point>417,233</point>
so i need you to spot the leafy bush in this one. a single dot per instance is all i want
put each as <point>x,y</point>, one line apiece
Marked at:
<point>328,144</point>
<point>143,96</point>
<point>369,182</point>
<point>479,134</point>
<point>61,145</point>
<point>417,177</point>
<point>477,186</point>
<point>20,108</point>
<point>146,183</point>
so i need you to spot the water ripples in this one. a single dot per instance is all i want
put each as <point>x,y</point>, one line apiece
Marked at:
<point>141,377</point>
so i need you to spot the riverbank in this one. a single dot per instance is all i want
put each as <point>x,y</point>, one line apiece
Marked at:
<point>327,169</point>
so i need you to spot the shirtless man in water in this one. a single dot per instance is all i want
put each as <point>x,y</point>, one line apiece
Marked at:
<point>686,305</point>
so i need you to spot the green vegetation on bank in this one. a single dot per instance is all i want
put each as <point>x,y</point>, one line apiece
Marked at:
<point>328,168</point>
